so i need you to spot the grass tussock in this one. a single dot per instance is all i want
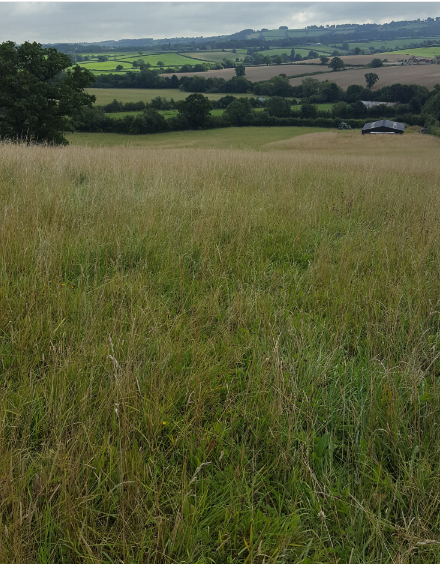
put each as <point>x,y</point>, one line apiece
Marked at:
<point>220,356</point>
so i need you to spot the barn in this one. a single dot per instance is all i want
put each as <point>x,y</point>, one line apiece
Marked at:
<point>383,126</point>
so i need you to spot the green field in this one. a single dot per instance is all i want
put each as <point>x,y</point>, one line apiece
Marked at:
<point>420,52</point>
<point>106,66</point>
<point>106,95</point>
<point>169,60</point>
<point>220,347</point>
<point>248,138</point>
<point>322,50</point>
<point>387,44</point>
<point>173,113</point>
<point>117,54</point>
<point>165,113</point>
<point>217,56</point>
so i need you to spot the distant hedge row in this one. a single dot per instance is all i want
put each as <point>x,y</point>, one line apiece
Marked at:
<point>151,121</point>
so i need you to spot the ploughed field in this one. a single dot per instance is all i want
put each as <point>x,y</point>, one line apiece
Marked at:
<point>256,74</point>
<point>424,75</point>
<point>107,95</point>
<point>363,59</point>
<point>221,355</point>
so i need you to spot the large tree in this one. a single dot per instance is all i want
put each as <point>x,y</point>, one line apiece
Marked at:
<point>239,112</point>
<point>371,79</point>
<point>278,107</point>
<point>336,64</point>
<point>39,93</point>
<point>196,109</point>
<point>240,70</point>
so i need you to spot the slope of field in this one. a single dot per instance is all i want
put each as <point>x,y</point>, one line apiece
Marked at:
<point>303,51</point>
<point>391,44</point>
<point>106,95</point>
<point>420,52</point>
<point>217,56</point>
<point>117,54</point>
<point>255,74</point>
<point>221,356</point>
<point>363,59</point>
<point>425,75</point>
<point>168,60</point>
<point>248,138</point>
<point>96,66</point>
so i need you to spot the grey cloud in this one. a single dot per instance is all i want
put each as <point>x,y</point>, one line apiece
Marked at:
<point>50,22</point>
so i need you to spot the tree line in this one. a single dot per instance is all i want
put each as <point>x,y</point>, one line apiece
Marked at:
<point>420,107</point>
<point>41,98</point>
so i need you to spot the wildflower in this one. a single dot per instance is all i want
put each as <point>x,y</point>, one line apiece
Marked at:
<point>164,422</point>
<point>62,284</point>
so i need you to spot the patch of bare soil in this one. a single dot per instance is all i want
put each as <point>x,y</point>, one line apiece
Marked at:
<point>363,59</point>
<point>424,75</point>
<point>255,74</point>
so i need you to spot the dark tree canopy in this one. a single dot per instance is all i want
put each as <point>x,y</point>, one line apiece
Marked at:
<point>371,79</point>
<point>376,63</point>
<point>337,64</point>
<point>196,109</point>
<point>239,112</point>
<point>278,107</point>
<point>39,93</point>
<point>240,70</point>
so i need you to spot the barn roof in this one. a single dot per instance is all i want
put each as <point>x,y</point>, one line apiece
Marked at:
<point>369,104</point>
<point>384,123</point>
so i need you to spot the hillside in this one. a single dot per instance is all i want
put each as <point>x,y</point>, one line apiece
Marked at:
<point>424,75</point>
<point>221,354</point>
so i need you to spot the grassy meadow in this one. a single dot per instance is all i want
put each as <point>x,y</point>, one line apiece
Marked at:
<point>217,56</point>
<point>421,52</point>
<point>169,60</point>
<point>107,95</point>
<point>221,354</point>
<point>237,138</point>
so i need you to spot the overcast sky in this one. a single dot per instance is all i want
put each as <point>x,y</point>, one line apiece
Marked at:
<point>52,22</point>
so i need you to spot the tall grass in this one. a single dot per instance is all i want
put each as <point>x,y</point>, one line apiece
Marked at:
<point>220,356</point>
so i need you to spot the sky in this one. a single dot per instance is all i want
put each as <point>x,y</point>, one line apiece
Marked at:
<point>75,22</point>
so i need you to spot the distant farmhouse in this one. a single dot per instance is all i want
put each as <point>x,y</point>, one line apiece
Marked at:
<point>383,126</point>
<point>422,61</point>
<point>369,105</point>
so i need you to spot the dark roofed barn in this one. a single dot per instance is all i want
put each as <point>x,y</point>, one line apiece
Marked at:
<point>383,126</point>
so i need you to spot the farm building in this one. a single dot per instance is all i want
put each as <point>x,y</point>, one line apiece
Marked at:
<point>420,61</point>
<point>383,126</point>
<point>369,104</point>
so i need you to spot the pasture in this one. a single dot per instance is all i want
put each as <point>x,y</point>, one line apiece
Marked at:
<point>108,66</point>
<point>165,113</point>
<point>256,74</point>
<point>107,95</point>
<point>421,52</point>
<point>362,59</point>
<point>391,44</point>
<point>237,138</point>
<point>168,60</point>
<point>303,51</point>
<point>118,54</point>
<point>223,352</point>
<point>217,56</point>
<point>425,75</point>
